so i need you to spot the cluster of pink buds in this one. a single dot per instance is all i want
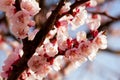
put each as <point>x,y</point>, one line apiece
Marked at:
<point>58,47</point>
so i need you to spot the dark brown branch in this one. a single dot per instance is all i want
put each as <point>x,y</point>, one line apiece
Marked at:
<point>29,47</point>
<point>40,18</point>
<point>112,51</point>
<point>105,14</point>
<point>41,4</point>
<point>17,5</point>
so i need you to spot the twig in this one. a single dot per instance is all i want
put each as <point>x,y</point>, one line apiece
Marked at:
<point>105,14</point>
<point>112,51</point>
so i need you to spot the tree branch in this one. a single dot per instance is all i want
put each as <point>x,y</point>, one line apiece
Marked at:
<point>105,14</point>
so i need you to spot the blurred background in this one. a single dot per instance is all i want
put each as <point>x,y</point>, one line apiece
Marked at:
<point>107,62</point>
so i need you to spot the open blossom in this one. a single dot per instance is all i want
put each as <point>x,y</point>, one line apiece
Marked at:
<point>39,65</point>
<point>20,31</point>
<point>20,18</point>
<point>36,62</point>
<point>51,50</point>
<point>93,51</point>
<point>11,12</point>
<point>30,7</point>
<point>11,59</point>
<point>58,63</point>
<point>81,36</point>
<point>94,22</point>
<point>19,24</point>
<point>64,21</point>
<point>84,48</point>
<point>62,37</point>
<point>72,54</point>
<point>40,50</point>
<point>91,3</point>
<point>101,40</point>
<point>6,4</point>
<point>80,15</point>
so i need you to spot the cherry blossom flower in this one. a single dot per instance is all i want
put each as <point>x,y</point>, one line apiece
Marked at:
<point>62,37</point>
<point>51,50</point>
<point>12,58</point>
<point>36,62</point>
<point>91,3</point>
<point>40,50</point>
<point>30,7</point>
<point>20,31</point>
<point>58,63</point>
<point>6,4</point>
<point>64,21</point>
<point>84,48</point>
<point>19,24</point>
<point>11,11</point>
<point>39,65</point>
<point>72,54</point>
<point>20,18</point>
<point>93,51</point>
<point>81,36</point>
<point>94,22</point>
<point>101,41</point>
<point>80,15</point>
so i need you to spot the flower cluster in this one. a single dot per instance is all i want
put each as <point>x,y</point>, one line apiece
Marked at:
<point>58,47</point>
<point>11,60</point>
<point>20,20</point>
